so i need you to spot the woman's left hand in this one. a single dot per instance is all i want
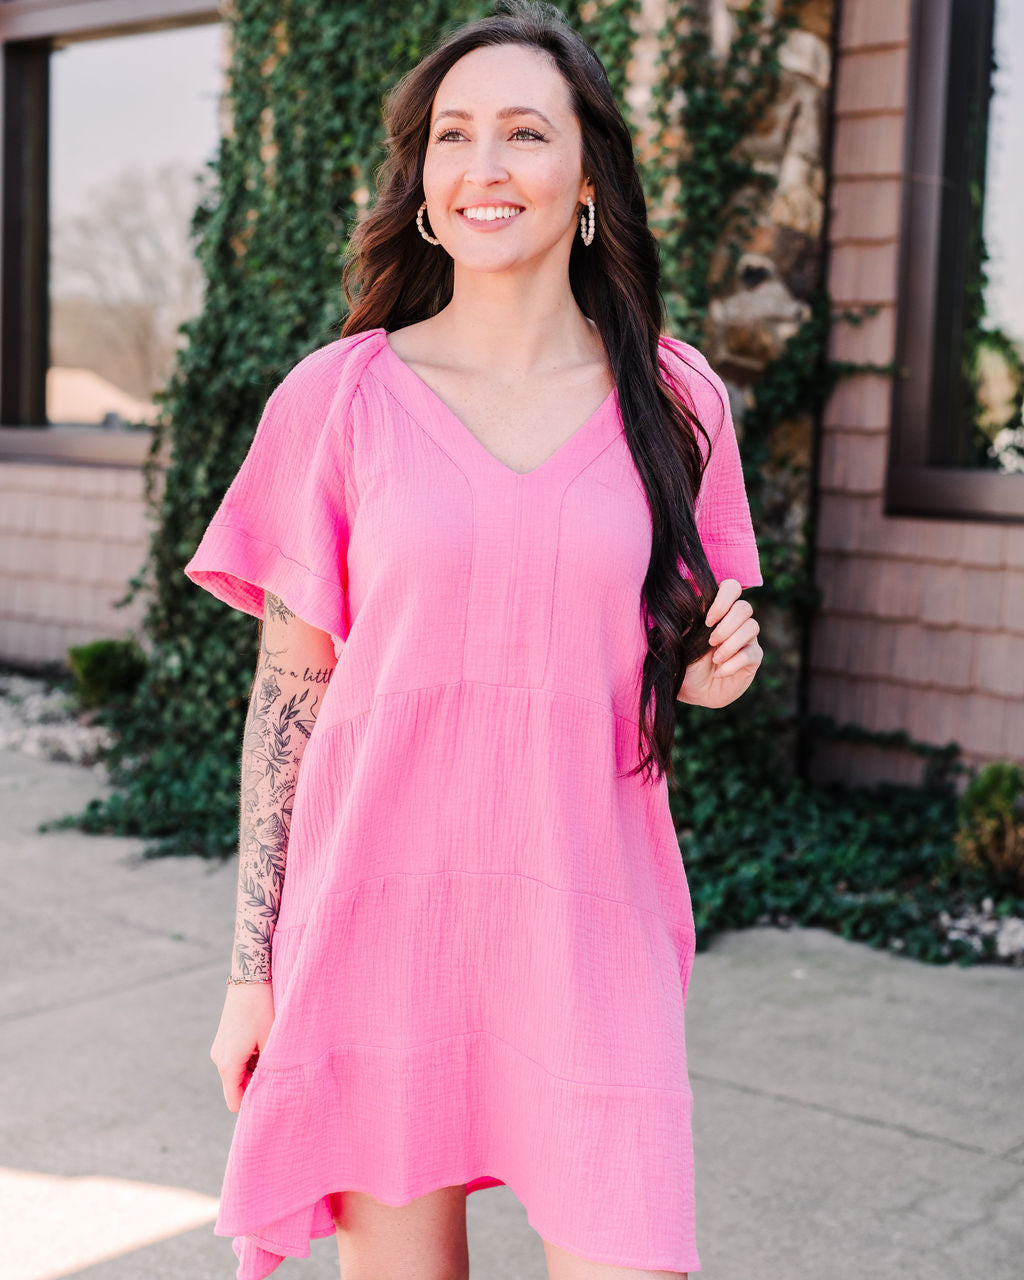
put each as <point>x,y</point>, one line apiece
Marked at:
<point>726,670</point>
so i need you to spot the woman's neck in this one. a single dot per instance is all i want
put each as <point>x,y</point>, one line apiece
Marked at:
<point>520,326</point>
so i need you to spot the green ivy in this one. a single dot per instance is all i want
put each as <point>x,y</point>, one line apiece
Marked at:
<point>705,109</point>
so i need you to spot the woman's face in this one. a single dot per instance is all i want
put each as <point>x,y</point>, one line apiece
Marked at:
<point>502,173</point>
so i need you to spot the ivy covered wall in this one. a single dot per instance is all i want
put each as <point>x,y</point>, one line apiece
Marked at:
<point>728,103</point>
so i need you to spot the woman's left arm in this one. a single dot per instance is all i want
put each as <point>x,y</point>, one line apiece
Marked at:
<point>729,666</point>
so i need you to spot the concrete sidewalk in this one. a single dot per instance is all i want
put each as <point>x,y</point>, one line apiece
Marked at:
<point>856,1114</point>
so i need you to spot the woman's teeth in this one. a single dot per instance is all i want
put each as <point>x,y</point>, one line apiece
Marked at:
<point>489,213</point>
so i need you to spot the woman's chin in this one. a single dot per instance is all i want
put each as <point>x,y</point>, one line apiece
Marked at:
<point>500,260</point>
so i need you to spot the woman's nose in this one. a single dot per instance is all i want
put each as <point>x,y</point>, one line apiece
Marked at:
<point>486,166</point>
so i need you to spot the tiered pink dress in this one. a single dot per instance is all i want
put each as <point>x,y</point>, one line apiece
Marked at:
<point>485,934</point>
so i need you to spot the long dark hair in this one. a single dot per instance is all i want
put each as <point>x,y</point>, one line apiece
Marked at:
<point>390,282</point>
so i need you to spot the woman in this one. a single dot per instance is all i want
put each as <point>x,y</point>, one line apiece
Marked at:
<point>494,531</point>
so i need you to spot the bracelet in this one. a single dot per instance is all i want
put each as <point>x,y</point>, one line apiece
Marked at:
<point>236,981</point>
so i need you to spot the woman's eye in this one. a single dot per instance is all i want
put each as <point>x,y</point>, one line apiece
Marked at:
<point>520,134</point>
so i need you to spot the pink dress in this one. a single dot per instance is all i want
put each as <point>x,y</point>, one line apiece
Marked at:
<point>485,935</point>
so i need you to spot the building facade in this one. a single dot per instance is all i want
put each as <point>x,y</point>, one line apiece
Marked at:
<point>918,548</point>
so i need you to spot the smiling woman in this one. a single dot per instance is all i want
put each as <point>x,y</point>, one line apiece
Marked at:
<point>513,509</point>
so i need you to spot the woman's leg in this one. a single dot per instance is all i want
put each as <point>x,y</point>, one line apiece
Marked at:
<point>422,1240</point>
<point>563,1265</point>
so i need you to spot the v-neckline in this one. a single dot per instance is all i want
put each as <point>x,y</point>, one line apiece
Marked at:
<point>572,448</point>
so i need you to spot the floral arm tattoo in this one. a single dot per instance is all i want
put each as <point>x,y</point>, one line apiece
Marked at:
<point>283,707</point>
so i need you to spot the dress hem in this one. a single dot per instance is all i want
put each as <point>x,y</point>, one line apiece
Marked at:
<point>690,1264</point>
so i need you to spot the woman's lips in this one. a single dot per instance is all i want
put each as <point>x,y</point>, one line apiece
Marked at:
<point>490,217</point>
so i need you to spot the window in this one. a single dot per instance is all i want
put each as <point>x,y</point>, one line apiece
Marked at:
<point>123,185</point>
<point>111,110</point>
<point>957,438</point>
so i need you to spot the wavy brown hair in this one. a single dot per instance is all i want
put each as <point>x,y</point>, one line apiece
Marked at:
<point>390,282</point>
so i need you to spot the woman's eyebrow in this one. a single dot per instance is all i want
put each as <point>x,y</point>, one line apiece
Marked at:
<point>505,113</point>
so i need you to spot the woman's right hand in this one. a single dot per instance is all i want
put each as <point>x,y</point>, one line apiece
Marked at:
<point>245,1023</point>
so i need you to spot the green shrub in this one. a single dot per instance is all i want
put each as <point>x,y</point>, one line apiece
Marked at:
<point>877,864</point>
<point>990,830</point>
<point>106,671</point>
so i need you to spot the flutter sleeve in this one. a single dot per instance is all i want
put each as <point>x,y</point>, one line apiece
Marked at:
<point>722,510</point>
<point>283,524</point>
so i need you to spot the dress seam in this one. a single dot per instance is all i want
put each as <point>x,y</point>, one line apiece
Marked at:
<point>553,591</point>
<point>474,564</point>
<point>486,684</point>
<point>463,1035</point>
<point>513,584</point>
<point>393,395</point>
<point>263,542</point>
<point>521,875</point>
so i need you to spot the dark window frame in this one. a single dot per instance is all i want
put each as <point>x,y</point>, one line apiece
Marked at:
<point>927,392</point>
<point>29,31</point>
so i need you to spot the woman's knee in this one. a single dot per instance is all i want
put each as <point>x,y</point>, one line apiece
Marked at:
<point>422,1240</point>
<point>563,1265</point>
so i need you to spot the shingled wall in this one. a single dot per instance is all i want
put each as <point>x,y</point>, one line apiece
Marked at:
<point>922,623</point>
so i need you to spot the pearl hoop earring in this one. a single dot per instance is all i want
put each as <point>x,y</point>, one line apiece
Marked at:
<point>419,223</point>
<point>587,223</point>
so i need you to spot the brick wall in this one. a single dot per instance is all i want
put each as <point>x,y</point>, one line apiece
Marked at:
<point>922,623</point>
<point>70,538</point>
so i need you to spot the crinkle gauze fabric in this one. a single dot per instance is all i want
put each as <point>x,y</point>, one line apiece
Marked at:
<point>485,934</point>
